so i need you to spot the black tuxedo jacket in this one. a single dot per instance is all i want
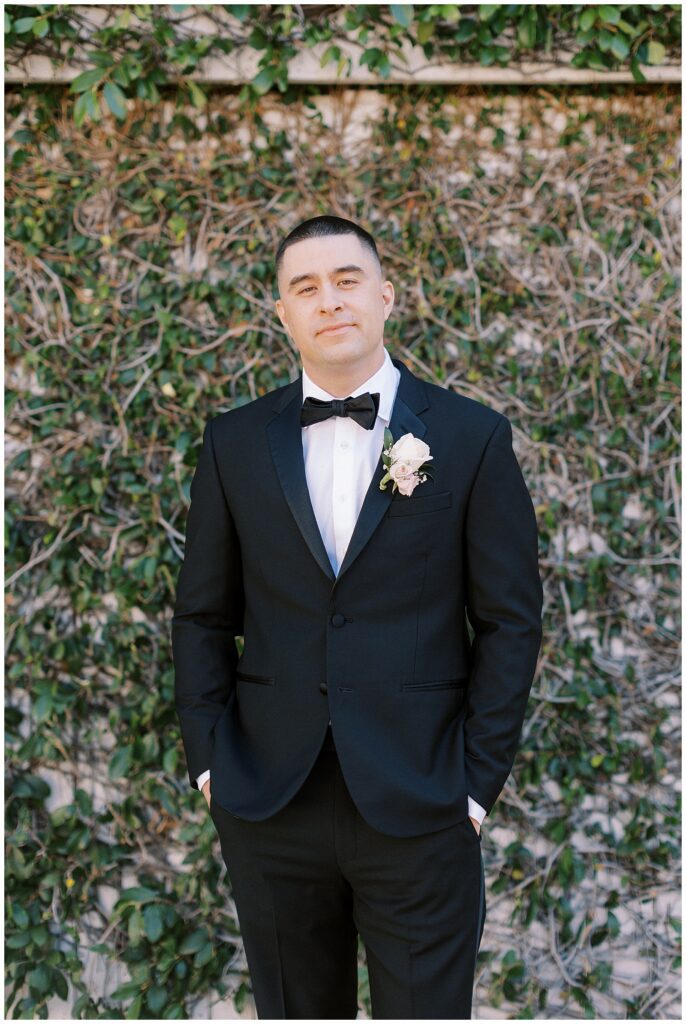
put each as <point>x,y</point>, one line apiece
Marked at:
<point>421,715</point>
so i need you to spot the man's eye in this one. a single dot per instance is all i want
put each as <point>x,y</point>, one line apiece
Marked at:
<point>310,287</point>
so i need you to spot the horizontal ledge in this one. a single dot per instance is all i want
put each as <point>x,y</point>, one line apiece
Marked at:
<point>305,71</point>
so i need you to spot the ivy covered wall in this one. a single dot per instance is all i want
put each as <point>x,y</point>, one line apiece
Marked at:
<point>533,238</point>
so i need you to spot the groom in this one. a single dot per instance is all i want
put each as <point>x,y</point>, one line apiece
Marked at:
<point>356,744</point>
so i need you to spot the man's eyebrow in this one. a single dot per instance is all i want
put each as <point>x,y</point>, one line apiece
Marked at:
<point>349,269</point>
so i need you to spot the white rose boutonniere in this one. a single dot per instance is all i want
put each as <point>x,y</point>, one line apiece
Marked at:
<point>406,462</point>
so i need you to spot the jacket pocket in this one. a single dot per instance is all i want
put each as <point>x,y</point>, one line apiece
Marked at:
<point>250,677</point>
<point>438,684</point>
<point>467,823</point>
<point>413,504</point>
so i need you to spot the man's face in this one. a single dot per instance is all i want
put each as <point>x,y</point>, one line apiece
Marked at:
<point>333,282</point>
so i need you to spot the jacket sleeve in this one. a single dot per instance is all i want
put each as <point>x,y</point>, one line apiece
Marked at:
<point>208,612</point>
<point>504,599</point>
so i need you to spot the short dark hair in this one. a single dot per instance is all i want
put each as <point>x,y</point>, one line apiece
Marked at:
<point>318,227</point>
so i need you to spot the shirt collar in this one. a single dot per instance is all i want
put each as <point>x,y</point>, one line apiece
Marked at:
<point>385,381</point>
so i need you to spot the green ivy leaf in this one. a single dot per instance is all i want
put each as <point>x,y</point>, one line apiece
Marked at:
<point>258,39</point>
<point>87,79</point>
<point>605,39</point>
<point>609,14</point>
<point>154,925</point>
<point>448,12</point>
<point>133,1011</point>
<point>403,14</point>
<point>30,786</point>
<point>240,11</point>
<point>465,31</point>
<point>620,46</point>
<point>179,225</point>
<point>126,991</point>
<point>383,66</point>
<point>330,53</point>
<point>43,707</point>
<point>627,29</point>
<point>60,985</point>
<point>595,61</point>
<point>92,105</point>
<point>656,52</point>
<point>156,997</point>
<point>194,942</point>
<point>115,99</point>
<point>198,97</point>
<point>120,763</point>
<point>123,20</point>
<point>136,894</point>
<point>425,31</point>
<point>526,32</point>
<point>612,924</point>
<point>263,82</point>
<point>135,928</point>
<point>587,18</point>
<point>19,916</point>
<point>371,57</point>
<point>24,25</point>
<point>40,933</point>
<point>203,956</point>
<point>39,979</point>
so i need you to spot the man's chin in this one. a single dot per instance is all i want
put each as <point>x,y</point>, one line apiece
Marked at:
<point>338,350</point>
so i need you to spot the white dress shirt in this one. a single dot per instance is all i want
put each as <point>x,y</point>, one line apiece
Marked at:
<point>340,460</point>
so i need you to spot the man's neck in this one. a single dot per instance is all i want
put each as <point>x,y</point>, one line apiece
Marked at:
<point>342,384</point>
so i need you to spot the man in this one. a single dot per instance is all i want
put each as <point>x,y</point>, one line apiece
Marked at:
<point>355,746</point>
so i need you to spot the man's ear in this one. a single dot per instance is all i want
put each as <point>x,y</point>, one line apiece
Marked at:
<point>282,315</point>
<point>388,293</point>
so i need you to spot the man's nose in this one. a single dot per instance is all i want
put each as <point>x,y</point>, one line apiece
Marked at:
<point>330,300</point>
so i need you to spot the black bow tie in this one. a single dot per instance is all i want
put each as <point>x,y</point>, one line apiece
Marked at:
<point>362,408</point>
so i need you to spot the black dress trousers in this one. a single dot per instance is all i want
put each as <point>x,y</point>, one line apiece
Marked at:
<point>310,878</point>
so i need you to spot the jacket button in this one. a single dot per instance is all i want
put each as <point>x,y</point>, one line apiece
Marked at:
<point>324,688</point>
<point>337,619</point>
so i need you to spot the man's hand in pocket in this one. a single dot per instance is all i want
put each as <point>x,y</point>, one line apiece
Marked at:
<point>206,792</point>
<point>475,823</point>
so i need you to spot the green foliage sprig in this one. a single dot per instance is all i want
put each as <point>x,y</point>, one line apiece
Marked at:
<point>143,47</point>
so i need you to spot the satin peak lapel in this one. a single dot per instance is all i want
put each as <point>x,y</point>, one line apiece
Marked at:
<point>285,439</point>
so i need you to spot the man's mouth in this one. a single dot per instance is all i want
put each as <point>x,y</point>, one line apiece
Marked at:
<point>336,329</point>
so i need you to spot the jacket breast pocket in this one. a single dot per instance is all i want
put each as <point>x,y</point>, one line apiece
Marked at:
<point>436,684</point>
<point>414,504</point>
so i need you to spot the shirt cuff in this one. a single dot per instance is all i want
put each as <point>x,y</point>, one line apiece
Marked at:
<point>202,779</point>
<point>475,810</point>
